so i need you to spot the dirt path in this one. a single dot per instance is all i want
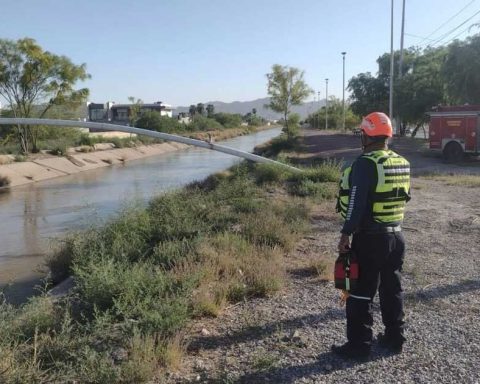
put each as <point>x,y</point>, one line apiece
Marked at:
<point>287,338</point>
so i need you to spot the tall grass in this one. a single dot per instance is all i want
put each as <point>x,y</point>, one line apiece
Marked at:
<point>141,276</point>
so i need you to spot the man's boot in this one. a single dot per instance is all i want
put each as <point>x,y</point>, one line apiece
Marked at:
<point>393,344</point>
<point>350,351</point>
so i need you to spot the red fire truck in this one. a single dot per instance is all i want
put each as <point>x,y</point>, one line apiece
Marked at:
<point>455,130</point>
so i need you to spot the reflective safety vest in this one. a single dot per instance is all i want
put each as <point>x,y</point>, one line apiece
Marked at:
<point>391,192</point>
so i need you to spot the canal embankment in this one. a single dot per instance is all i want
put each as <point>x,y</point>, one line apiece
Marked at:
<point>40,167</point>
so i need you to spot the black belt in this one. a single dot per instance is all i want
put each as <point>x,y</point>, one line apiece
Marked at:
<point>375,231</point>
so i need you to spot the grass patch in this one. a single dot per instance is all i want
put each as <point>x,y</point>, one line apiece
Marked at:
<point>279,144</point>
<point>264,361</point>
<point>470,181</point>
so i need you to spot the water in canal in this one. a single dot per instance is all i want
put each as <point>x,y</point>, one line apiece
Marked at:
<point>32,216</point>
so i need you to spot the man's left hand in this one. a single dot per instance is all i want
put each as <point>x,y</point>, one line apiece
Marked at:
<point>344,243</point>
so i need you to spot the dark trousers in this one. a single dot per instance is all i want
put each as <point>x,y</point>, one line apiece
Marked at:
<point>380,258</point>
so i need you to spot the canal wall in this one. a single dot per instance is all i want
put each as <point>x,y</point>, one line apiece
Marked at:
<point>49,167</point>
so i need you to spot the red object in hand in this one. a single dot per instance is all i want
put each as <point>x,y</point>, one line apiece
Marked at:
<point>346,271</point>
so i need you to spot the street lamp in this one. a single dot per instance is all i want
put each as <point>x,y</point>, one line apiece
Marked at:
<point>319,109</point>
<point>343,91</point>
<point>326,103</point>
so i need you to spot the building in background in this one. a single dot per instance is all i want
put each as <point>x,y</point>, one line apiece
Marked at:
<point>120,113</point>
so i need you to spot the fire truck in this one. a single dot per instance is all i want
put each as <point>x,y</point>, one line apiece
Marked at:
<point>455,130</point>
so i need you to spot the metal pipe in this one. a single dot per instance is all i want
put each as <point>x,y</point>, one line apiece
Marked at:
<point>146,132</point>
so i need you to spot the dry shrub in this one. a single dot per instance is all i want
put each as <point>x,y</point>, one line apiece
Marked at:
<point>173,350</point>
<point>5,159</point>
<point>322,267</point>
<point>235,269</point>
<point>4,181</point>
<point>144,357</point>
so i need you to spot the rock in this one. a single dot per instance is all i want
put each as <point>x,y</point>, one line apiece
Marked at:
<point>119,355</point>
<point>295,335</point>
<point>205,332</point>
<point>199,365</point>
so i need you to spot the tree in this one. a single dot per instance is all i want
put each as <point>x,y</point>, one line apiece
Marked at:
<point>134,110</point>
<point>462,71</point>
<point>254,111</point>
<point>210,110</point>
<point>416,92</point>
<point>200,109</point>
<point>286,87</point>
<point>192,110</point>
<point>335,116</point>
<point>368,94</point>
<point>33,81</point>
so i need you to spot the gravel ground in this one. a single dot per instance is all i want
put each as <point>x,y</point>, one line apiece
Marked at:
<point>287,338</point>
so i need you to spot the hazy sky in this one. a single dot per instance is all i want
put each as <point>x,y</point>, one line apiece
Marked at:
<point>188,51</point>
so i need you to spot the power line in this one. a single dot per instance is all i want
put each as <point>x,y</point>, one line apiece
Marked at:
<point>446,22</point>
<point>463,31</point>
<point>418,37</point>
<point>454,29</point>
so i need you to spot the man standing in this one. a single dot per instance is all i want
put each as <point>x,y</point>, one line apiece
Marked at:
<point>372,198</point>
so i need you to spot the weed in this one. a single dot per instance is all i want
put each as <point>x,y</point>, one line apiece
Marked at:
<point>264,361</point>
<point>270,173</point>
<point>20,158</point>
<point>4,181</point>
<point>321,268</point>
<point>85,149</point>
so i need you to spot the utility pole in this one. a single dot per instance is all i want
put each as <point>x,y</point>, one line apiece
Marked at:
<point>326,103</point>
<point>390,101</point>
<point>318,113</point>
<point>343,91</point>
<point>400,63</point>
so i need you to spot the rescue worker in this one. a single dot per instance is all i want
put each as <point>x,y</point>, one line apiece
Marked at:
<point>372,198</point>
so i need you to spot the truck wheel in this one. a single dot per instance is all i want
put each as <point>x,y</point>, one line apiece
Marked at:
<point>453,152</point>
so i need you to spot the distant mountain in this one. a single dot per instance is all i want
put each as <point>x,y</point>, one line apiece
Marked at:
<point>243,107</point>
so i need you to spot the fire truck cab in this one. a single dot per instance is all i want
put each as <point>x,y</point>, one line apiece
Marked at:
<point>455,130</point>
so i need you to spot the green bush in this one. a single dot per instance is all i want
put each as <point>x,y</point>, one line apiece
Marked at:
<point>311,188</point>
<point>328,171</point>
<point>277,145</point>
<point>270,173</point>
<point>154,122</point>
<point>202,123</point>
<point>228,120</point>
<point>4,181</point>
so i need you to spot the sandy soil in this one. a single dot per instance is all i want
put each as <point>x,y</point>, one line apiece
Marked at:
<point>287,338</point>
